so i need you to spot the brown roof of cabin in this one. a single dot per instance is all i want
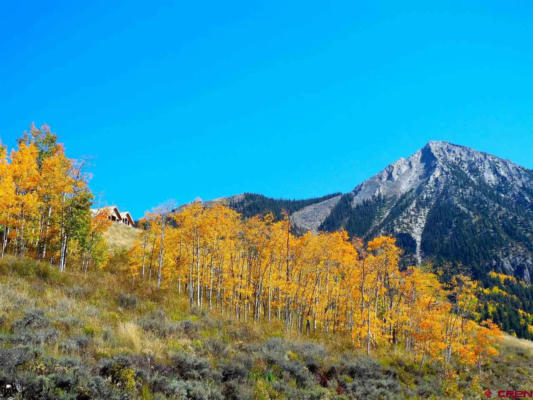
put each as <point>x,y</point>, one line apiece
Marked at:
<point>126,214</point>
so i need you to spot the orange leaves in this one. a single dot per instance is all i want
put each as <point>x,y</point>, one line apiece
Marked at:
<point>100,222</point>
<point>487,336</point>
<point>382,243</point>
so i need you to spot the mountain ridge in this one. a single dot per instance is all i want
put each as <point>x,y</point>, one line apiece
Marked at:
<point>446,203</point>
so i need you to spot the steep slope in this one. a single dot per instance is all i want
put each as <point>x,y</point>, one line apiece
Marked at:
<point>309,218</point>
<point>447,203</point>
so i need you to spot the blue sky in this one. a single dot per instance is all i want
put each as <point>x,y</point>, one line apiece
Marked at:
<point>290,99</point>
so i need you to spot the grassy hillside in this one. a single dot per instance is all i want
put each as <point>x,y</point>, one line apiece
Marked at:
<point>70,336</point>
<point>121,236</point>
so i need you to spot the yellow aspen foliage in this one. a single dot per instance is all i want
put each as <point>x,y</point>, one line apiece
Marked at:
<point>316,283</point>
<point>45,204</point>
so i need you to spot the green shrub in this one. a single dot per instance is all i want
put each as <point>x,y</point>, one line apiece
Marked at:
<point>215,346</point>
<point>108,334</point>
<point>90,330</point>
<point>120,371</point>
<point>188,327</point>
<point>4,267</point>
<point>77,291</point>
<point>67,323</point>
<point>193,390</point>
<point>33,327</point>
<point>157,323</point>
<point>63,378</point>
<point>15,356</point>
<point>311,354</point>
<point>369,379</point>
<point>188,366</point>
<point>29,268</point>
<point>127,301</point>
<point>235,391</point>
<point>22,266</point>
<point>75,344</point>
<point>237,369</point>
<point>47,273</point>
<point>33,319</point>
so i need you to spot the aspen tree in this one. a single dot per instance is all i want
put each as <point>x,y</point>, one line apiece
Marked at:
<point>26,178</point>
<point>323,282</point>
<point>7,197</point>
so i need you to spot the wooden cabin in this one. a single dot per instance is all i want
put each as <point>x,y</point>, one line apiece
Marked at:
<point>126,218</point>
<point>115,215</point>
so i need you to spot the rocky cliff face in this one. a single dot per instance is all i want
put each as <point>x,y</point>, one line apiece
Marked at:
<point>311,217</point>
<point>446,203</point>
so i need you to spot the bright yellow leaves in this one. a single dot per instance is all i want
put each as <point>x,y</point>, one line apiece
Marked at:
<point>7,197</point>
<point>44,203</point>
<point>315,283</point>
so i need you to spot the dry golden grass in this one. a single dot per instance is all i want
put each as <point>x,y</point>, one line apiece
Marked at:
<point>121,236</point>
<point>519,343</point>
<point>129,335</point>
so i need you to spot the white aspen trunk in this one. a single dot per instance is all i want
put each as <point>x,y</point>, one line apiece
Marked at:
<point>368,334</point>
<point>21,243</point>
<point>144,255</point>
<point>211,289</point>
<point>4,241</point>
<point>46,232</point>
<point>88,261</point>
<point>269,304</point>
<point>161,245</point>
<point>151,260</point>
<point>63,256</point>
<point>191,286</point>
<point>198,270</point>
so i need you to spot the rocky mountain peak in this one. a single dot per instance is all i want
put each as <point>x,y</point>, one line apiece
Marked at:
<point>438,161</point>
<point>444,202</point>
